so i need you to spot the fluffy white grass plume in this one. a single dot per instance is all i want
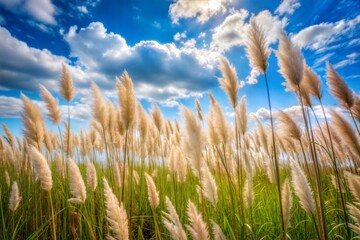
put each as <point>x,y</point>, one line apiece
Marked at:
<point>209,186</point>
<point>354,185</point>
<point>99,107</point>
<point>66,84</point>
<point>302,188</point>
<point>287,125</point>
<point>248,190</point>
<point>193,138</point>
<point>152,192</point>
<point>311,82</point>
<point>219,122</point>
<point>198,109</point>
<point>355,216</point>
<point>117,174</point>
<point>290,62</point>
<point>345,132</point>
<point>338,87</point>
<point>91,176</point>
<point>229,82</point>
<point>241,116</point>
<point>14,197</point>
<point>52,105</point>
<point>257,47</point>
<point>286,199</point>
<point>127,100</point>
<point>33,122</point>
<point>197,227</point>
<point>7,178</point>
<point>143,124</point>
<point>60,165</point>
<point>157,117</point>
<point>41,168</point>
<point>172,222</point>
<point>115,215</point>
<point>77,185</point>
<point>9,137</point>
<point>217,232</point>
<point>356,107</point>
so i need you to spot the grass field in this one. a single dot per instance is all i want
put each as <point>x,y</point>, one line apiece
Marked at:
<point>136,175</point>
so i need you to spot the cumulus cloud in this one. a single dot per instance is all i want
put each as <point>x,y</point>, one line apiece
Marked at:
<point>11,107</point>
<point>155,68</point>
<point>287,7</point>
<point>83,9</point>
<point>261,114</point>
<point>233,30</point>
<point>41,10</point>
<point>295,112</point>
<point>37,66</point>
<point>252,78</point>
<point>201,10</point>
<point>320,36</point>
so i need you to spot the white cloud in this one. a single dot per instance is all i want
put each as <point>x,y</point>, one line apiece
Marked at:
<point>350,59</point>
<point>323,59</point>
<point>37,66</point>
<point>202,35</point>
<point>11,107</point>
<point>261,114</point>
<point>159,71</point>
<point>42,10</point>
<point>252,78</point>
<point>178,36</point>
<point>201,10</point>
<point>233,30</point>
<point>320,36</point>
<point>83,9</point>
<point>287,7</point>
<point>295,112</point>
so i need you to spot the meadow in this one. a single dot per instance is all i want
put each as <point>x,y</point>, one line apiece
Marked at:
<point>136,175</point>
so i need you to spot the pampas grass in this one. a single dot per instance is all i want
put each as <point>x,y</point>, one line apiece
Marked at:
<point>52,106</point>
<point>217,232</point>
<point>152,192</point>
<point>209,186</point>
<point>77,185</point>
<point>302,188</point>
<point>66,84</point>
<point>42,169</point>
<point>354,185</point>
<point>290,62</point>
<point>287,202</point>
<point>91,176</point>
<point>115,215</point>
<point>197,227</point>
<point>257,47</point>
<point>172,222</point>
<point>229,82</point>
<point>14,197</point>
<point>338,88</point>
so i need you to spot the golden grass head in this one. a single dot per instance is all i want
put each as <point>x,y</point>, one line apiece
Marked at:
<point>66,84</point>
<point>338,87</point>
<point>291,62</point>
<point>257,47</point>
<point>229,82</point>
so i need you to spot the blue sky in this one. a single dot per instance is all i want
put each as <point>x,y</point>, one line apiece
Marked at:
<point>170,48</point>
